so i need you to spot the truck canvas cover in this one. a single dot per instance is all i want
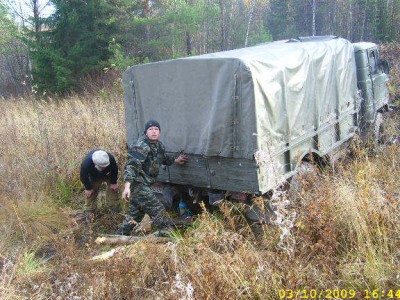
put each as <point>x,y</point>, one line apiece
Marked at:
<point>236,103</point>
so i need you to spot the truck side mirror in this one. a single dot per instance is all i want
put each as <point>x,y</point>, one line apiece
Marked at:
<point>384,65</point>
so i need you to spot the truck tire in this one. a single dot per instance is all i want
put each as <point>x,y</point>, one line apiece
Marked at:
<point>256,214</point>
<point>306,174</point>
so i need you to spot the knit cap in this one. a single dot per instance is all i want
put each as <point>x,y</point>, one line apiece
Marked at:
<point>101,158</point>
<point>151,123</point>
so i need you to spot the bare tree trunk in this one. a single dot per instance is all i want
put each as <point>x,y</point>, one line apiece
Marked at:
<point>229,26</point>
<point>364,20</point>
<point>206,30</point>
<point>375,19</point>
<point>188,36</point>
<point>314,10</point>
<point>251,12</point>
<point>188,43</point>
<point>226,17</point>
<point>223,25</point>
<point>350,26</point>
<point>146,14</point>
<point>36,16</point>
<point>332,17</point>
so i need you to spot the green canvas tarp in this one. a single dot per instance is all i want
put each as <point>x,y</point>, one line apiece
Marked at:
<point>236,103</point>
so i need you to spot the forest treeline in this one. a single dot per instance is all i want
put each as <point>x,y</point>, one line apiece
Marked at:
<point>55,53</point>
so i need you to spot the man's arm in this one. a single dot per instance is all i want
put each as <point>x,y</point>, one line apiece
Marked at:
<point>134,168</point>
<point>181,159</point>
<point>84,174</point>
<point>126,194</point>
<point>169,160</point>
<point>114,169</point>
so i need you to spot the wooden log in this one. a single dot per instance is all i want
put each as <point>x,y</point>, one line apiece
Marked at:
<point>108,254</point>
<point>110,239</point>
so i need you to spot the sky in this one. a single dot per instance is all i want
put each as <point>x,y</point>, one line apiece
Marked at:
<point>48,9</point>
<point>24,7</point>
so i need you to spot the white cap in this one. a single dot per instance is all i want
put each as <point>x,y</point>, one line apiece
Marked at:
<point>100,158</point>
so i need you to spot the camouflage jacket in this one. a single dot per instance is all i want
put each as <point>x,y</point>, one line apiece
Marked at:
<point>145,160</point>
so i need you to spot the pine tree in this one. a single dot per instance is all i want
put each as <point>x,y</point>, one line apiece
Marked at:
<point>75,44</point>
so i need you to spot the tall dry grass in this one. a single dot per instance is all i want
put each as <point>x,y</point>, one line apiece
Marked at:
<point>44,142</point>
<point>346,236</point>
<point>42,146</point>
<point>343,231</point>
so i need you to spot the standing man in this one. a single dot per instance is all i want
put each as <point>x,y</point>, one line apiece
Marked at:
<point>97,167</point>
<point>144,160</point>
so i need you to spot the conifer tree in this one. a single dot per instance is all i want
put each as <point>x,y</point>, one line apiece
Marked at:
<point>74,45</point>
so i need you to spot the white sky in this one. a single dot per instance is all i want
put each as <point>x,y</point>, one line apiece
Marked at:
<point>48,9</point>
<point>23,8</point>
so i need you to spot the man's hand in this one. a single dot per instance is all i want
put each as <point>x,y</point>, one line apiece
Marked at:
<point>89,193</point>
<point>126,194</point>
<point>182,158</point>
<point>114,187</point>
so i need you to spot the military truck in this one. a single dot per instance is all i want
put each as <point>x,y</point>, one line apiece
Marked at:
<point>247,118</point>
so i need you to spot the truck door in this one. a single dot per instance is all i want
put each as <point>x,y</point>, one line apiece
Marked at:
<point>378,79</point>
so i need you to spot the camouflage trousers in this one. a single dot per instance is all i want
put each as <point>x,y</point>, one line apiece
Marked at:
<point>91,202</point>
<point>143,201</point>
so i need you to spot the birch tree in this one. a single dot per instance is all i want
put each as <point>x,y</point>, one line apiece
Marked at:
<point>314,11</point>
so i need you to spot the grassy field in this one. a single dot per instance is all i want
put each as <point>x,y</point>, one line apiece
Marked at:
<point>338,236</point>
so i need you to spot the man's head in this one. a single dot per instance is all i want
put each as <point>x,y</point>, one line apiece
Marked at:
<point>152,130</point>
<point>101,159</point>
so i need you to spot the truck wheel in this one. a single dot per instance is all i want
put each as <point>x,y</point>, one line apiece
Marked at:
<point>306,175</point>
<point>256,214</point>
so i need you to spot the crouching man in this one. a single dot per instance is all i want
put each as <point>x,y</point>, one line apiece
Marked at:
<point>97,167</point>
<point>144,161</point>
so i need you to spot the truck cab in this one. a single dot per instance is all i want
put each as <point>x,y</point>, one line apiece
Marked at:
<point>372,81</point>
